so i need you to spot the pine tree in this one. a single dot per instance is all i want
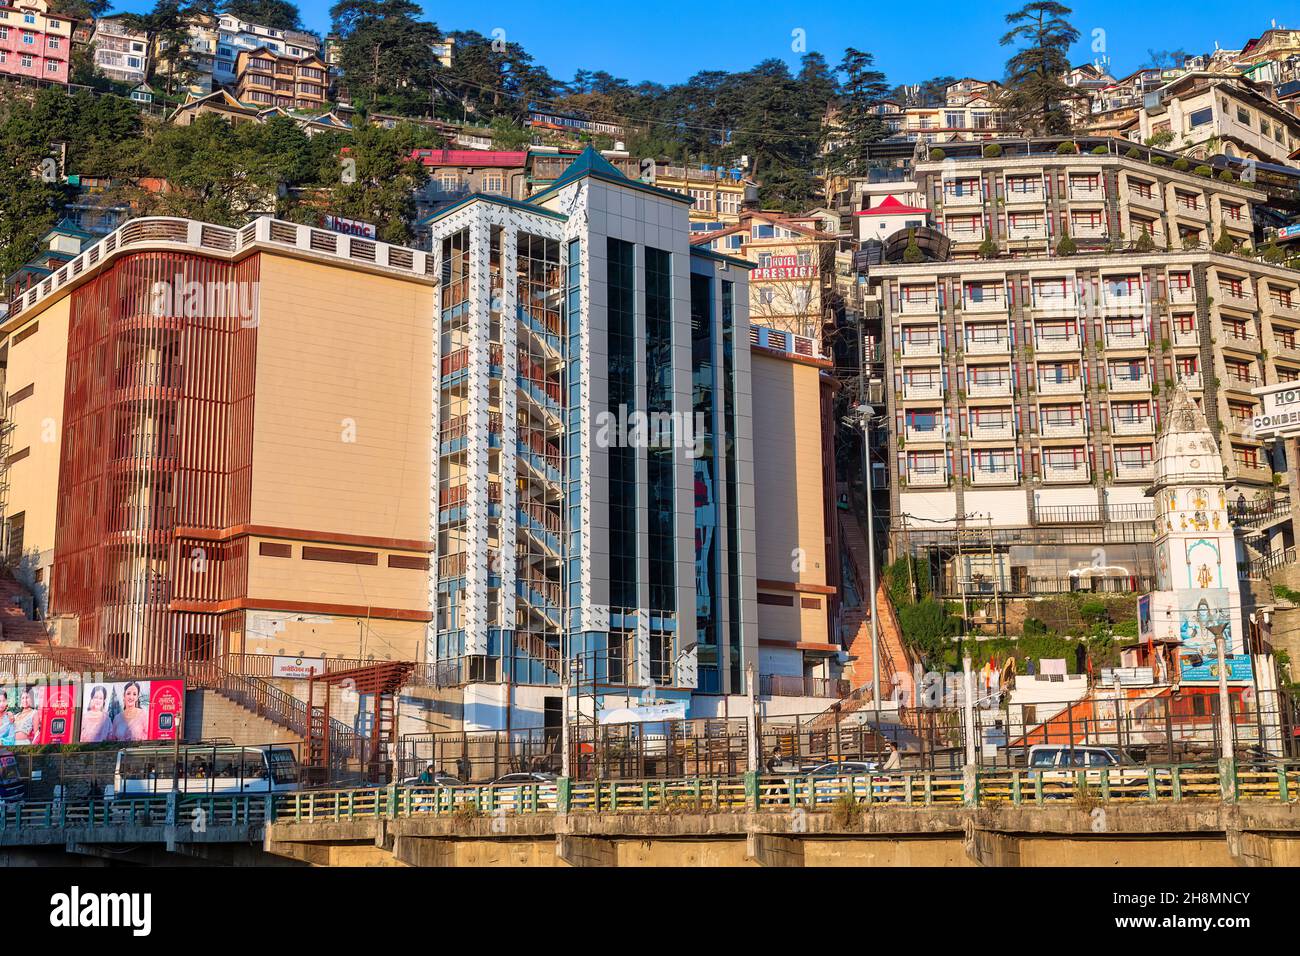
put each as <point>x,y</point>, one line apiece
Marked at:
<point>860,123</point>
<point>1035,90</point>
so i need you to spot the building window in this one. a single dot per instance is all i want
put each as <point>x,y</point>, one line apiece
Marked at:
<point>1200,118</point>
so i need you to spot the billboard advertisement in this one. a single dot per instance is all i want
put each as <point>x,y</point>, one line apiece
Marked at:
<point>131,711</point>
<point>36,714</point>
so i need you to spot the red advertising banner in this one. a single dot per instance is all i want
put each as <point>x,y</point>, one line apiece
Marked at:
<point>131,711</point>
<point>58,713</point>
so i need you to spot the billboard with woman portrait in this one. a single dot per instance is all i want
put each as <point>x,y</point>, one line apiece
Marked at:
<point>131,711</point>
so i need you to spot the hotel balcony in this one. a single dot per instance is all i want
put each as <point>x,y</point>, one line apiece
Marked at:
<point>1283,349</point>
<point>993,431</point>
<point>998,389</point>
<point>1065,302</point>
<point>963,233</point>
<point>1088,231</point>
<point>1242,383</point>
<point>997,345</point>
<point>1186,338</point>
<point>1182,295</point>
<point>1153,201</point>
<point>1244,299</point>
<point>984,304</point>
<point>936,434</point>
<point>926,476</point>
<point>1056,341</point>
<point>918,305</point>
<point>1001,474</point>
<point>1122,301</point>
<point>1065,474</point>
<point>951,198</point>
<point>1262,471</point>
<point>1021,196</point>
<point>1078,428</point>
<point>1051,385</point>
<point>1126,339</point>
<point>922,389</point>
<point>1245,341</point>
<point>1019,233</point>
<point>1135,425</point>
<point>1134,471</point>
<point>1192,380</point>
<point>1087,193</point>
<point>922,348</point>
<point>1197,211</point>
<point>1283,309</point>
<point>1125,383</point>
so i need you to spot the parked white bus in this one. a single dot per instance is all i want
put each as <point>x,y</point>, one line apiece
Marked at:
<point>204,769</point>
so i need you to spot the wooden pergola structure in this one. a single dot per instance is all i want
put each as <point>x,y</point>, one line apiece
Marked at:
<point>381,683</point>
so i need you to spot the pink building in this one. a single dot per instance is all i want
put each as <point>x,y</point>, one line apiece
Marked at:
<point>34,42</point>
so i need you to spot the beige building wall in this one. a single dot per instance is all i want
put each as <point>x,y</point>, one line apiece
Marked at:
<point>789,498</point>
<point>341,435</point>
<point>39,360</point>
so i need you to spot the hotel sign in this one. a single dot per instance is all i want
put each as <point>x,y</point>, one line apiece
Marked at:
<point>1279,414</point>
<point>784,267</point>
<point>350,227</point>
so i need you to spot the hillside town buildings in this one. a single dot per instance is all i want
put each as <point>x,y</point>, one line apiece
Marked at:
<point>35,42</point>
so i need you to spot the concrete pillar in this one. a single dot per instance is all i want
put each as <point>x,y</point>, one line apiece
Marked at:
<point>424,851</point>
<point>988,848</point>
<point>770,849</point>
<point>585,850</point>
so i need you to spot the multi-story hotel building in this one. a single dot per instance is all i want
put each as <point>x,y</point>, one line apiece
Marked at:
<point>1025,390</point>
<point>266,78</point>
<point>121,53</point>
<point>532,446</point>
<point>34,42</point>
<point>215,43</point>
<point>786,286</point>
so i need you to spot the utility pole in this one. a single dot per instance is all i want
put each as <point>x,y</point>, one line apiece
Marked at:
<point>1225,713</point>
<point>564,717</point>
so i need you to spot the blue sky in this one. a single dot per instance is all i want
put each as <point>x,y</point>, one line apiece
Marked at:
<point>912,41</point>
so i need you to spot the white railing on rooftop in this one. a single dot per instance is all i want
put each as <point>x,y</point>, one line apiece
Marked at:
<point>152,231</point>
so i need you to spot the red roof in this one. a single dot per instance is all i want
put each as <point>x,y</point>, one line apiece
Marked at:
<point>892,207</point>
<point>469,157</point>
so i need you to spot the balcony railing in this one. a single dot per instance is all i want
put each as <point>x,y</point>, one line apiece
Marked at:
<point>1119,301</point>
<point>1033,193</point>
<point>916,389</point>
<point>1076,473</point>
<point>1000,388</point>
<point>1152,201</point>
<point>1234,338</point>
<point>997,474</point>
<point>1182,295</point>
<point>1061,302</point>
<point>782,685</point>
<point>963,233</point>
<point>1075,428</point>
<point>1134,470</point>
<point>1128,383</point>
<point>1254,471</point>
<point>999,345</point>
<point>1133,425</point>
<point>1192,380</point>
<point>1086,193</point>
<point>1051,385</point>
<point>985,303</point>
<point>921,476</point>
<point>923,348</point>
<point>934,434</point>
<point>1087,231</point>
<point>1238,299</point>
<point>1056,341</point>
<point>1004,430</point>
<point>1126,339</point>
<point>1184,338</point>
<point>1286,308</point>
<point>964,198</point>
<point>1191,209</point>
<point>1241,382</point>
<point>1031,231</point>
<point>928,305</point>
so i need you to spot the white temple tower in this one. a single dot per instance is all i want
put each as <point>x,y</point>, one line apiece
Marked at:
<point>1197,588</point>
